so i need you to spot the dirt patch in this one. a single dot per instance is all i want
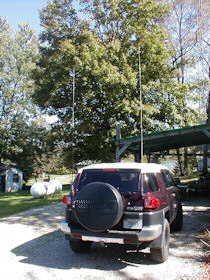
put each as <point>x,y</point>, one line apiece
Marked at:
<point>33,247</point>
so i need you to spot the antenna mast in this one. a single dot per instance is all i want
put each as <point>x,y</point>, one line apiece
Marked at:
<point>73,96</point>
<point>141,109</point>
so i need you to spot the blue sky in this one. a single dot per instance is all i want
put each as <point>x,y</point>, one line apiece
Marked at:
<point>22,11</point>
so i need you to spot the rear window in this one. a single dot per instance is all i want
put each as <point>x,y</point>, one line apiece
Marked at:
<point>167,178</point>
<point>125,180</point>
<point>150,182</point>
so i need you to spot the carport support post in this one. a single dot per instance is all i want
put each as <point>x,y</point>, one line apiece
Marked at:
<point>137,157</point>
<point>205,147</point>
<point>118,143</point>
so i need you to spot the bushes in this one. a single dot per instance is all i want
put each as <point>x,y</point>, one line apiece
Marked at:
<point>205,239</point>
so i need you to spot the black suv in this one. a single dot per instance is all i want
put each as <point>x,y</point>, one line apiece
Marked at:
<point>123,203</point>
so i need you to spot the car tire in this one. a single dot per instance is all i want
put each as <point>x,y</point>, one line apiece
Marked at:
<point>178,221</point>
<point>79,246</point>
<point>98,207</point>
<point>160,255</point>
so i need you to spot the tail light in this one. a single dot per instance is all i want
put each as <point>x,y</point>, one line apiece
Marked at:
<point>150,201</point>
<point>109,169</point>
<point>67,199</point>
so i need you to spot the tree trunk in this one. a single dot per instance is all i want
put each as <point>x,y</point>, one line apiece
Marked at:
<point>185,161</point>
<point>179,162</point>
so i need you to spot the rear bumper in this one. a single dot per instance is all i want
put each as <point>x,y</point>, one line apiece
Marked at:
<point>146,234</point>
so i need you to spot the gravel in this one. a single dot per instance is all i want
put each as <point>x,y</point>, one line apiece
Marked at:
<point>32,246</point>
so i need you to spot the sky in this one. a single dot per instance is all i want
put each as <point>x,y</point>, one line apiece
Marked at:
<point>22,11</point>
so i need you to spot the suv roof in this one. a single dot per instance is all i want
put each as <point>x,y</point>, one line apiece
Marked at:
<point>144,167</point>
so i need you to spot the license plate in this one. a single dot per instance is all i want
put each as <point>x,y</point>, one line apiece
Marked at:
<point>103,239</point>
<point>132,223</point>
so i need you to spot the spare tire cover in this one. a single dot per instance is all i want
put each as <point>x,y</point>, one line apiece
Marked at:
<point>98,207</point>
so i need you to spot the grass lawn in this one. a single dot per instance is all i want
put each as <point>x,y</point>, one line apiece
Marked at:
<point>64,179</point>
<point>193,177</point>
<point>11,203</point>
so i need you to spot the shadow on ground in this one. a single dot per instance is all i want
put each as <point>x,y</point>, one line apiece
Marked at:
<point>53,251</point>
<point>186,244</point>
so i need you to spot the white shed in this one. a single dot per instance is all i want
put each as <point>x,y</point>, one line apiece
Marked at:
<point>11,178</point>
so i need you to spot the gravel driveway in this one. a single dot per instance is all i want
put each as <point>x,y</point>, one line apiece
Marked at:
<point>33,247</point>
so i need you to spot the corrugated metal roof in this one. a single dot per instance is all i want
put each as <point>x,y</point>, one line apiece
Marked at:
<point>169,139</point>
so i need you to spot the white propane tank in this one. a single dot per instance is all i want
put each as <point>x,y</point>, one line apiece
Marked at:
<point>42,189</point>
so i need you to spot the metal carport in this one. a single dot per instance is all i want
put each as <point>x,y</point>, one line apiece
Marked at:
<point>164,140</point>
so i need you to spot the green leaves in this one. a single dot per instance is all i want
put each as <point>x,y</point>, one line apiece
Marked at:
<point>103,48</point>
<point>22,137</point>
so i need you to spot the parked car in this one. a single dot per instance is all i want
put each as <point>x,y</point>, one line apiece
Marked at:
<point>123,203</point>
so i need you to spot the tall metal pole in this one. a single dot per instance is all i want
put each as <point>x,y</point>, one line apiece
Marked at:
<point>73,97</point>
<point>141,109</point>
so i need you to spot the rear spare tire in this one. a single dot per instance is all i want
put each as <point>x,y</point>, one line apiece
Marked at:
<point>98,207</point>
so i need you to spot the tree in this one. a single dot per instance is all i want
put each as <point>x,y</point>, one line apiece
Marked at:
<point>22,134</point>
<point>105,54</point>
<point>186,29</point>
<point>187,26</point>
